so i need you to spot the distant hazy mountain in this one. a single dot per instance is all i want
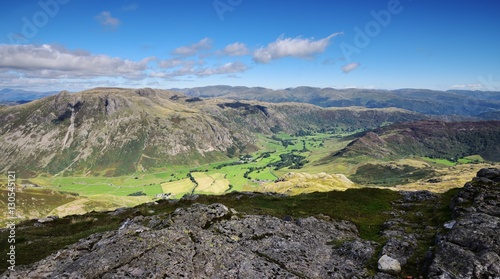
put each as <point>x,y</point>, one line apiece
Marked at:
<point>452,102</point>
<point>11,96</point>
<point>115,131</point>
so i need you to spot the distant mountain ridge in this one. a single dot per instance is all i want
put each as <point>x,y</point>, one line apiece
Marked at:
<point>16,95</point>
<point>433,102</point>
<point>465,103</point>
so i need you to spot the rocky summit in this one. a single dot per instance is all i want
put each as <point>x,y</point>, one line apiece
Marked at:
<point>214,241</point>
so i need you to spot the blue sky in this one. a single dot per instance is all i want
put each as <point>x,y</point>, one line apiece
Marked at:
<point>389,44</point>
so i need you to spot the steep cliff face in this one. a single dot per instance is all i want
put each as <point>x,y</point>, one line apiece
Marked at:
<point>116,131</point>
<point>108,129</point>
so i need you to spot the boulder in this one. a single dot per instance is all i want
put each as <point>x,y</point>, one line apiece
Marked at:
<point>489,173</point>
<point>389,265</point>
<point>45,220</point>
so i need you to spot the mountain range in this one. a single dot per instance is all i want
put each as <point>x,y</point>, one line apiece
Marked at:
<point>433,102</point>
<point>9,95</point>
<point>114,131</point>
<point>476,105</point>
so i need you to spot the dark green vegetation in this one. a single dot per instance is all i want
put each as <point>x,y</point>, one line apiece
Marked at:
<point>422,216</point>
<point>389,175</point>
<point>290,160</point>
<point>452,102</point>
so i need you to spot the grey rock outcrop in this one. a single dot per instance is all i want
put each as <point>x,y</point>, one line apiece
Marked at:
<point>212,241</point>
<point>471,248</point>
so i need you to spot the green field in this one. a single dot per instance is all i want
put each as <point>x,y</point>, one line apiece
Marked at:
<point>245,173</point>
<point>178,188</point>
<point>471,159</point>
<point>263,175</point>
<point>440,161</point>
<point>215,183</point>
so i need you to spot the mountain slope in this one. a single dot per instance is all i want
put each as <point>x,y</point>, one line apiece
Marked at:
<point>114,131</point>
<point>447,140</point>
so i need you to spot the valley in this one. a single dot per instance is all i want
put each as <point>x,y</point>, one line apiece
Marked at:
<point>250,139</point>
<point>285,164</point>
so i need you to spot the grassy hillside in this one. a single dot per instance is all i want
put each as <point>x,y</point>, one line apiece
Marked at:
<point>441,140</point>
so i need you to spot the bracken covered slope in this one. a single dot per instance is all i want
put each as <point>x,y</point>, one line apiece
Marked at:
<point>429,138</point>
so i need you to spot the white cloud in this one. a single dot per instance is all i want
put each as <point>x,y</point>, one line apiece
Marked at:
<point>292,47</point>
<point>350,67</point>
<point>49,61</point>
<point>469,86</point>
<point>108,21</point>
<point>228,68</point>
<point>190,50</point>
<point>171,63</point>
<point>194,70</point>
<point>236,49</point>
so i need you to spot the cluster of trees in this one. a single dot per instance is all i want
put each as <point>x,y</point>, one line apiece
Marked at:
<point>302,133</point>
<point>265,155</point>
<point>227,165</point>
<point>136,194</point>
<point>252,169</point>
<point>284,142</point>
<point>291,160</point>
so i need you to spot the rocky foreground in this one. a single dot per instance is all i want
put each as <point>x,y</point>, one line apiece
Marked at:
<point>213,241</point>
<point>471,247</point>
